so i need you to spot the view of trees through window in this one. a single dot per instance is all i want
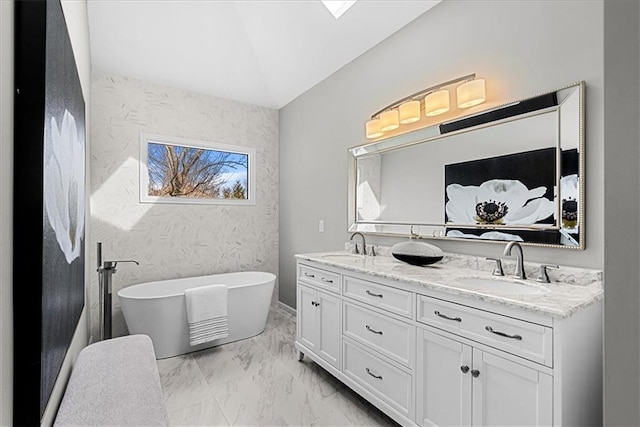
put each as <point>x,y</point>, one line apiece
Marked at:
<point>180,171</point>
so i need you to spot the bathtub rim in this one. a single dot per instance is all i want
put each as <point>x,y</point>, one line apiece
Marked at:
<point>122,293</point>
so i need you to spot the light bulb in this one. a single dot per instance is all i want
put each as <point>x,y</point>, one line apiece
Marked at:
<point>373,128</point>
<point>389,120</point>
<point>409,112</point>
<point>436,103</point>
<point>471,93</point>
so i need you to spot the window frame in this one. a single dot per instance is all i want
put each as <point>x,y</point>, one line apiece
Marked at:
<point>146,138</point>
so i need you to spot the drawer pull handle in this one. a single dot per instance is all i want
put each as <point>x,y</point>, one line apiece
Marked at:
<point>502,334</point>
<point>464,369</point>
<point>372,330</point>
<point>378,377</point>
<point>444,316</point>
<point>326,280</point>
<point>310,275</point>
<point>373,295</point>
<point>475,373</point>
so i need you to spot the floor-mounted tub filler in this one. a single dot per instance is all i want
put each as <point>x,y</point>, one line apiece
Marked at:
<point>158,309</point>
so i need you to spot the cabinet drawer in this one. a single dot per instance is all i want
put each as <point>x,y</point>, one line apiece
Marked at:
<point>393,338</point>
<point>386,381</point>
<point>321,278</point>
<point>518,337</point>
<point>387,298</point>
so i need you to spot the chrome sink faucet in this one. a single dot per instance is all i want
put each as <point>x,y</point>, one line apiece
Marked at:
<point>519,270</point>
<point>364,244</point>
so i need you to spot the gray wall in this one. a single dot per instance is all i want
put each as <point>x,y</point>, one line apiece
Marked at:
<point>176,240</point>
<point>622,215</point>
<point>521,47</point>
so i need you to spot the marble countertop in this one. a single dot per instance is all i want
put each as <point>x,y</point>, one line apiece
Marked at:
<point>570,290</point>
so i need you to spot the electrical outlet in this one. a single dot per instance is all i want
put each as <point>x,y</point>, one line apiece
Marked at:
<point>321,226</point>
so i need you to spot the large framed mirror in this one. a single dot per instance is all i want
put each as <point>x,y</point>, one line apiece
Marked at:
<point>513,172</point>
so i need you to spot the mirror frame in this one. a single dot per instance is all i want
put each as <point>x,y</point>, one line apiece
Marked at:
<point>501,114</point>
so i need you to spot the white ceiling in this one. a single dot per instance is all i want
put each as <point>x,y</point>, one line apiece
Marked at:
<point>260,52</point>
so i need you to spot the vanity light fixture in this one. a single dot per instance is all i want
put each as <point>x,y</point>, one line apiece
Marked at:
<point>436,101</point>
<point>389,120</point>
<point>409,112</point>
<point>471,93</point>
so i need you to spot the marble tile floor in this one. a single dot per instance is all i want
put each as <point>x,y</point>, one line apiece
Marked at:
<point>260,382</point>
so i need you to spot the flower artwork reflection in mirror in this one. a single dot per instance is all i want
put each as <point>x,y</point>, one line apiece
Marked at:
<point>515,189</point>
<point>570,200</point>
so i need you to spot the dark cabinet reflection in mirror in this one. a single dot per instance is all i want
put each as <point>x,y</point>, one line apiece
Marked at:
<point>511,173</point>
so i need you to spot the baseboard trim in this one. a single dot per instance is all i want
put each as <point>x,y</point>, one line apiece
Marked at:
<point>286,308</point>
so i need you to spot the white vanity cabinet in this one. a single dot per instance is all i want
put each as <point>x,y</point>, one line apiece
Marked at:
<point>319,323</point>
<point>319,313</point>
<point>500,375</point>
<point>427,357</point>
<point>461,385</point>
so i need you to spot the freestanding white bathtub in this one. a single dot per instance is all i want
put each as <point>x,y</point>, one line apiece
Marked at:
<point>158,309</point>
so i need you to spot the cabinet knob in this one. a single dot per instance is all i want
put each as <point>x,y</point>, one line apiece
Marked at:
<point>475,373</point>
<point>464,369</point>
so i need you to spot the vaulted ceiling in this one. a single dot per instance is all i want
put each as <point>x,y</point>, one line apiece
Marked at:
<point>260,52</point>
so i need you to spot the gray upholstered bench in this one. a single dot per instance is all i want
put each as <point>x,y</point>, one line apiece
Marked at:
<point>114,382</point>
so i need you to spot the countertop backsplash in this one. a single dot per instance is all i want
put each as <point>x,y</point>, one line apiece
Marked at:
<point>564,274</point>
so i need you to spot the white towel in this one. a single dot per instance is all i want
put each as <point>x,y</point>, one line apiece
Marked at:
<point>207,313</point>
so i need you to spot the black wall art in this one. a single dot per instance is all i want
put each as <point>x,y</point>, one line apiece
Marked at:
<point>515,190</point>
<point>49,204</point>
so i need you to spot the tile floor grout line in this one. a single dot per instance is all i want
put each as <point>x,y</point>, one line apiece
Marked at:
<point>276,346</point>
<point>190,355</point>
<point>337,391</point>
<point>213,395</point>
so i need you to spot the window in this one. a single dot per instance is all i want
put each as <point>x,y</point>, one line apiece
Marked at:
<point>178,170</point>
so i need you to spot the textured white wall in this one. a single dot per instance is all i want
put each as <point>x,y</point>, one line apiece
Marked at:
<point>175,240</point>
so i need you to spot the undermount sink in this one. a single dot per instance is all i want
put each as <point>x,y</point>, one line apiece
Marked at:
<point>501,286</point>
<point>344,257</point>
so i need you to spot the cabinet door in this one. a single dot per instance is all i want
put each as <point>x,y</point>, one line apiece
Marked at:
<point>506,393</point>
<point>308,317</point>
<point>330,312</point>
<point>443,381</point>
